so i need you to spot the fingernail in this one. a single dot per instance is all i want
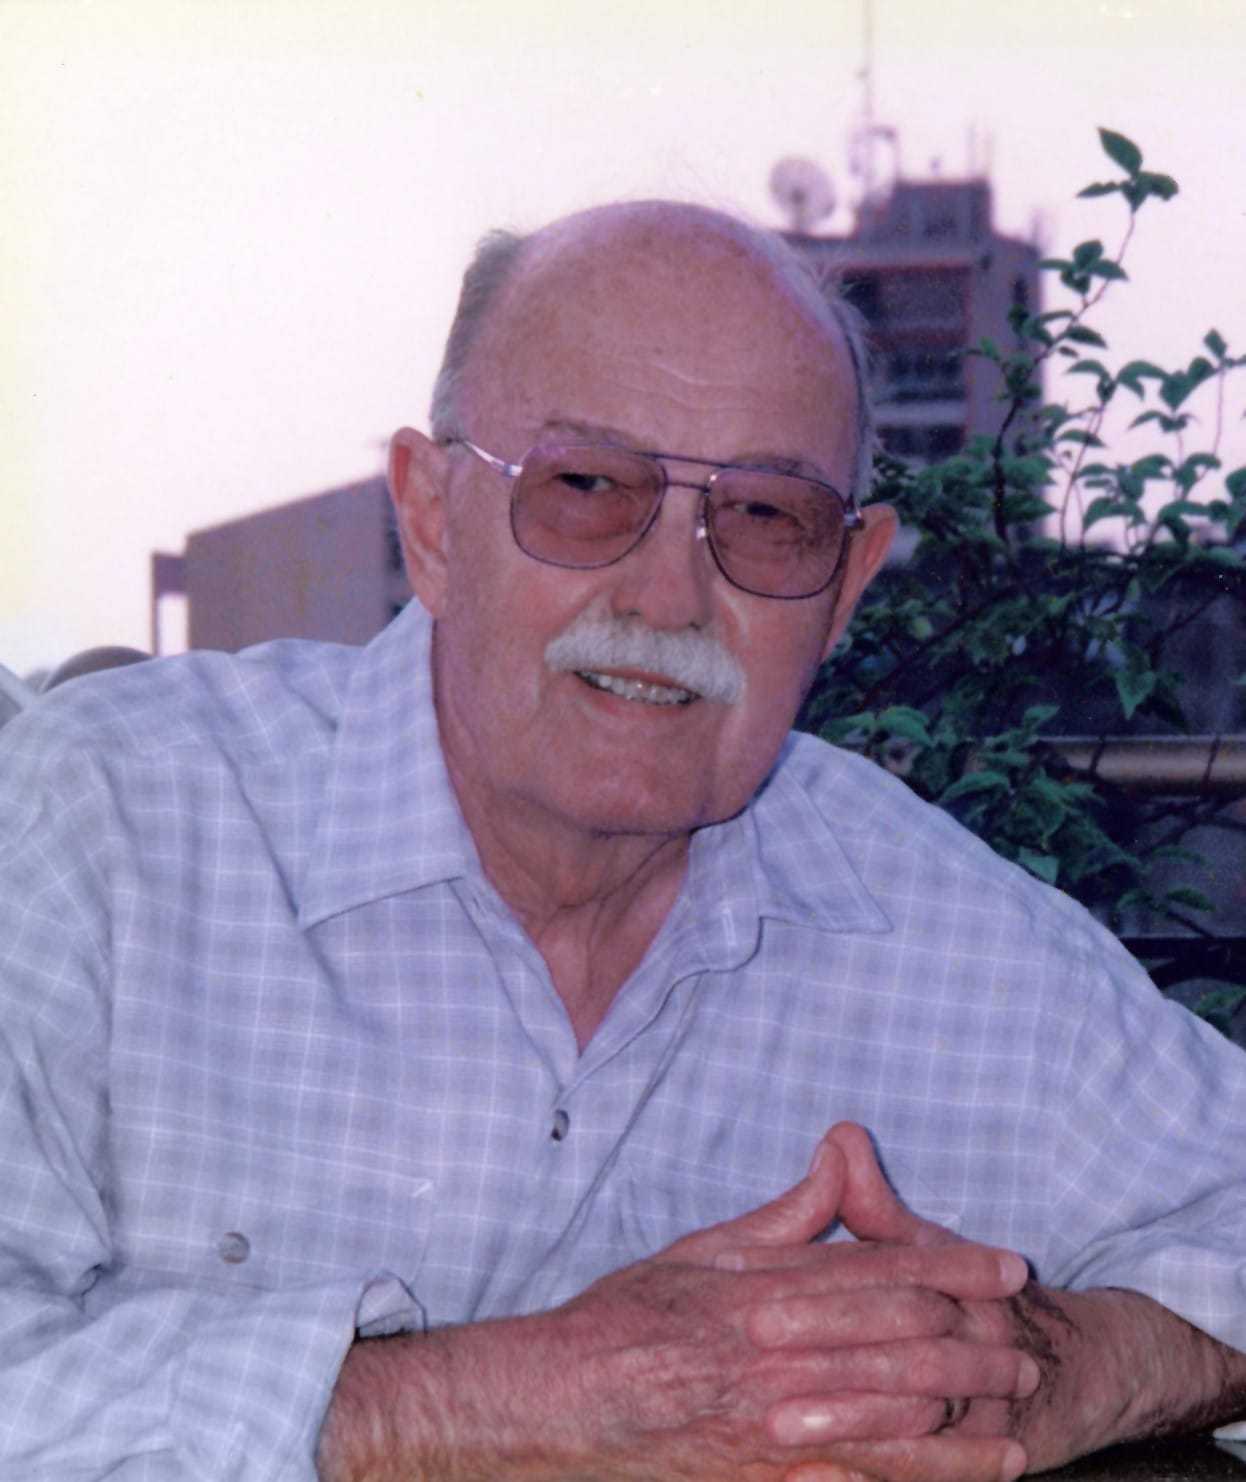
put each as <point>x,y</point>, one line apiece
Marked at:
<point>1013,1464</point>
<point>1013,1269</point>
<point>1028,1377</point>
<point>797,1425</point>
<point>821,1154</point>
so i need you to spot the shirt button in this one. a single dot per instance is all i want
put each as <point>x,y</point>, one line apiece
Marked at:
<point>233,1248</point>
<point>562,1125</point>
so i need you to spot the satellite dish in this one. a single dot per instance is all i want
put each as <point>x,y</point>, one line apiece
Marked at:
<point>802,191</point>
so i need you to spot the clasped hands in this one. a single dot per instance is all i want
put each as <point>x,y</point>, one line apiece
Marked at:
<point>747,1351</point>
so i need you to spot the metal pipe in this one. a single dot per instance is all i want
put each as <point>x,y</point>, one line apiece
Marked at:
<point>1213,766</point>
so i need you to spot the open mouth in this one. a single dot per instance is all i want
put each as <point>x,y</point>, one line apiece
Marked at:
<point>637,689</point>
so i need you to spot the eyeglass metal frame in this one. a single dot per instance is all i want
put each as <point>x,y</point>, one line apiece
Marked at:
<point>852,515</point>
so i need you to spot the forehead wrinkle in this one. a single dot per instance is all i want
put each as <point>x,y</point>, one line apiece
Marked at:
<point>773,460</point>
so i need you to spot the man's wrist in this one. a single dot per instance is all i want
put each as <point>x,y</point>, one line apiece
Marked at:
<point>457,1404</point>
<point>1117,1366</point>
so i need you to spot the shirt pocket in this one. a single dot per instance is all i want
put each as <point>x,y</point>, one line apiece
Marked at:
<point>267,1213</point>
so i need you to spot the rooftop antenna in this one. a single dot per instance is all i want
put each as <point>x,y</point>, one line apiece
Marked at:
<point>868,133</point>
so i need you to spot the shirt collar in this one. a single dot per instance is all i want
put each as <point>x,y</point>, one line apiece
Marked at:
<point>390,821</point>
<point>780,860</point>
<point>805,872</point>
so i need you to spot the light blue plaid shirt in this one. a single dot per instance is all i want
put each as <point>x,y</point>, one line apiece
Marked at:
<point>279,1065</point>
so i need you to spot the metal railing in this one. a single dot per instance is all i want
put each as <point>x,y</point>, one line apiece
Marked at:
<point>1160,766</point>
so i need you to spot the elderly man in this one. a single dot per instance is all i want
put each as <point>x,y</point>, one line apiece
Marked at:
<point>420,1060</point>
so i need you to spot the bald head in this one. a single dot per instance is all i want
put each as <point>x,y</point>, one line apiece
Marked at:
<point>582,262</point>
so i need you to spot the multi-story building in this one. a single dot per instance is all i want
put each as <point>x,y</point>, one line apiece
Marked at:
<point>932,277</point>
<point>328,566</point>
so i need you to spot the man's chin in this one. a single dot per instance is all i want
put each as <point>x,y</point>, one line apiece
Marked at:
<point>658,812</point>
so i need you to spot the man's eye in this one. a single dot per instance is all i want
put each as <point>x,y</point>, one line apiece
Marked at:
<point>587,483</point>
<point>758,512</point>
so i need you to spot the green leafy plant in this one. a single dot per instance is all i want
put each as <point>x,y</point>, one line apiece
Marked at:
<point>1046,596</point>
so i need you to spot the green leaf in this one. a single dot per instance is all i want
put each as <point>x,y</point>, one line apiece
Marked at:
<point>1089,368</point>
<point>1175,388</point>
<point>1215,343</point>
<point>1200,369</point>
<point>1137,371</point>
<point>904,721</point>
<point>1135,682</point>
<point>1235,483</point>
<point>974,782</point>
<point>1099,188</point>
<point>1218,1007</point>
<point>1194,467</point>
<point>1136,897</point>
<point>1086,253</point>
<point>1186,895</point>
<point>1163,186</point>
<point>1121,151</point>
<point>849,730</point>
<point>1144,184</point>
<point>1154,466</point>
<point>1038,715</point>
<point>1106,508</point>
<point>1151,416</point>
<point>1110,270</point>
<point>1045,866</point>
<point>1081,334</point>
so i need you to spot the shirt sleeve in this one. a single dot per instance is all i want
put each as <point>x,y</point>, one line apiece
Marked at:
<point>1148,1174</point>
<point>106,1372</point>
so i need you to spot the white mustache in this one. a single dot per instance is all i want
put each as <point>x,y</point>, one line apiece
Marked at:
<point>688,659</point>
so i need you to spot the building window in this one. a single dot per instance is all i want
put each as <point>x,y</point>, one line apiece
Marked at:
<point>930,297</point>
<point>923,444</point>
<point>922,375</point>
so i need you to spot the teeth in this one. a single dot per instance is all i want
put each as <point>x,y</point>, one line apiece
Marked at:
<point>636,689</point>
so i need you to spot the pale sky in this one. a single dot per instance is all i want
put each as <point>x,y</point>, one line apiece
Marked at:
<point>233,231</point>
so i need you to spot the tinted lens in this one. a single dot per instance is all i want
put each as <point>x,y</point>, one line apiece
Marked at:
<point>774,533</point>
<point>583,506</point>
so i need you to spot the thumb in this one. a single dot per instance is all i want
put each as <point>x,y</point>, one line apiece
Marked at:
<point>868,1206</point>
<point>794,1218</point>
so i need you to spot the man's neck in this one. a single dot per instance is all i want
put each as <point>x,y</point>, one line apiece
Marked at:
<point>591,902</point>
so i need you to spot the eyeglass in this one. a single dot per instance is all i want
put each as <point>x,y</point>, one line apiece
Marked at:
<point>585,505</point>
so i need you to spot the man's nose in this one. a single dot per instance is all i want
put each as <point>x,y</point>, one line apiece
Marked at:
<point>668,579</point>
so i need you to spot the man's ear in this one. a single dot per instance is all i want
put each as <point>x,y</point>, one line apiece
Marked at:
<point>867,549</point>
<point>418,474</point>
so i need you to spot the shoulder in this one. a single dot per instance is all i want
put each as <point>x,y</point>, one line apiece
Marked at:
<point>199,711</point>
<point>256,700</point>
<point>930,875</point>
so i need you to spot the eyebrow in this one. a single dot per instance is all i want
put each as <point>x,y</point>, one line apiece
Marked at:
<point>764,459</point>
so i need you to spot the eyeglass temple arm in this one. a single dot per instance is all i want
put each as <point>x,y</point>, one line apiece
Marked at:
<point>510,470</point>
